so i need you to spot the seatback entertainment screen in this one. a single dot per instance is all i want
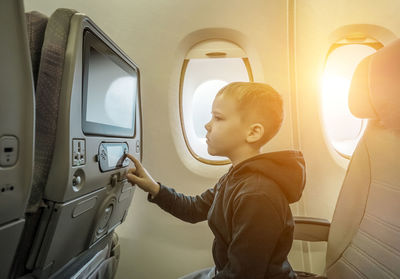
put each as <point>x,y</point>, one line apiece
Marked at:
<point>110,87</point>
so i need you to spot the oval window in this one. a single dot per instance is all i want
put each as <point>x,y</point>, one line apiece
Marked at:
<point>209,66</point>
<point>343,130</point>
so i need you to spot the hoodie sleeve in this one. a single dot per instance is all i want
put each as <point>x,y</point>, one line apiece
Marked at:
<point>256,228</point>
<point>191,209</point>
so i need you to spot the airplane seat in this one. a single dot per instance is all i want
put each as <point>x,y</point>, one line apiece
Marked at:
<point>16,130</point>
<point>78,198</point>
<point>364,236</point>
<point>35,25</point>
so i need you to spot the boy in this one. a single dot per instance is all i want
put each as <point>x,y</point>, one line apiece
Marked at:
<point>248,209</point>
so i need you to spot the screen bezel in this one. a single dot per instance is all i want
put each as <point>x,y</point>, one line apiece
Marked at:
<point>91,40</point>
<point>102,156</point>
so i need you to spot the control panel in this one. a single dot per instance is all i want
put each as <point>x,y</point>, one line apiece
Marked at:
<point>8,151</point>
<point>112,155</point>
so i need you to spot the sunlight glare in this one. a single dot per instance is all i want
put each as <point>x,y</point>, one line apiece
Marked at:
<point>342,128</point>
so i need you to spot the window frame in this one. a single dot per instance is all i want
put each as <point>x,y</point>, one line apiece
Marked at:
<point>351,39</point>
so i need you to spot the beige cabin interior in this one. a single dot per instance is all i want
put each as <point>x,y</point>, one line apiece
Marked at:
<point>287,43</point>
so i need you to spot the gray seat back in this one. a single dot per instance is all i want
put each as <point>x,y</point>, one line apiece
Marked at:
<point>74,205</point>
<point>364,239</point>
<point>16,129</point>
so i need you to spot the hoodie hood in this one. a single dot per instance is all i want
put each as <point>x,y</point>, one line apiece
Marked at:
<point>286,168</point>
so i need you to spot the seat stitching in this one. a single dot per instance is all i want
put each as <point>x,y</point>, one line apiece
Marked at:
<point>383,184</point>
<point>383,222</point>
<point>352,267</point>
<point>379,220</point>
<point>373,261</point>
<point>379,242</point>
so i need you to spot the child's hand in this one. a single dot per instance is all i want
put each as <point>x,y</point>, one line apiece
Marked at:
<point>139,176</point>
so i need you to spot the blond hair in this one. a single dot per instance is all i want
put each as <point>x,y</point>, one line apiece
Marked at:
<point>257,102</point>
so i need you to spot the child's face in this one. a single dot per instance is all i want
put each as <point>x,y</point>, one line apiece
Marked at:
<point>225,131</point>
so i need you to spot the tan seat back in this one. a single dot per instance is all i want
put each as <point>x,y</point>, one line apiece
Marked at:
<point>364,239</point>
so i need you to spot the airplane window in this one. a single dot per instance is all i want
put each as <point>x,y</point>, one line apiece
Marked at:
<point>342,129</point>
<point>207,68</point>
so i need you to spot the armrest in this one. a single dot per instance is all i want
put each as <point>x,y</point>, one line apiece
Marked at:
<point>311,229</point>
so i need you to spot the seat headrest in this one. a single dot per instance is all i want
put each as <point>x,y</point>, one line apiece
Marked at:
<point>375,87</point>
<point>359,92</point>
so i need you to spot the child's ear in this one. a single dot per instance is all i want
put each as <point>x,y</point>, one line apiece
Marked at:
<point>255,132</point>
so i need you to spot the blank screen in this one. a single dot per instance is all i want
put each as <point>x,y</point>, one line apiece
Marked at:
<point>114,153</point>
<point>111,92</point>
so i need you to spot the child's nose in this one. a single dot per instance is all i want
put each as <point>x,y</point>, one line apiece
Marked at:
<point>207,126</point>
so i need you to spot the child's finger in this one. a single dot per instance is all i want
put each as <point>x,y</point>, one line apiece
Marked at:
<point>133,179</point>
<point>132,170</point>
<point>134,160</point>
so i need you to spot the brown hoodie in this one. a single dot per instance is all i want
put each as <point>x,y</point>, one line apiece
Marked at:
<point>248,212</point>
